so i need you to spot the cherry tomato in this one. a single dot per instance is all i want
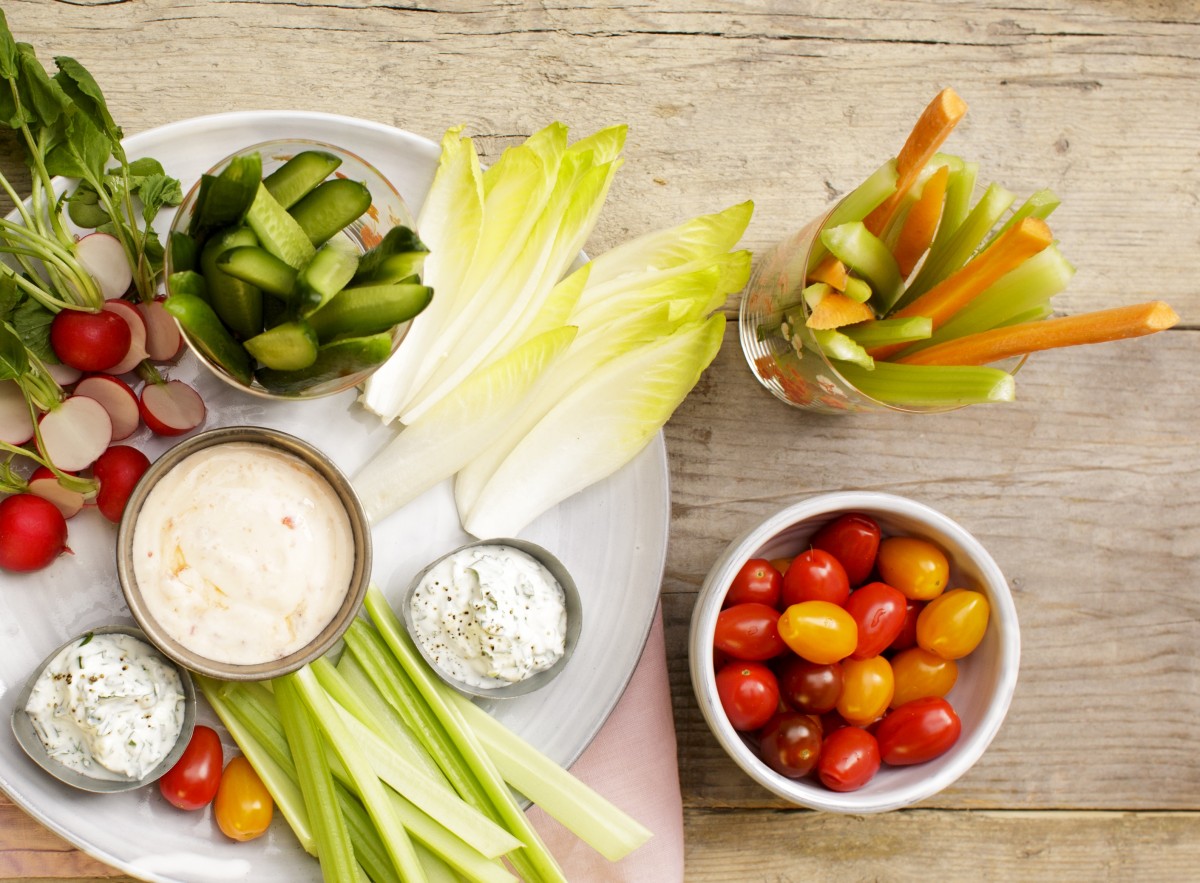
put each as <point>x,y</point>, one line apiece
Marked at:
<point>819,631</point>
<point>807,686</point>
<point>853,539</point>
<point>878,610</point>
<point>815,575</point>
<point>749,694</point>
<point>908,630</point>
<point>918,731</point>
<point>917,568</point>
<point>790,744</point>
<point>831,721</point>
<point>758,581</point>
<point>781,564</point>
<point>867,686</point>
<point>749,631</point>
<point>919,673</point>
<point>243,807</point>
<point>849,759</point>
<point>192,782</point>
<point>953,624</point>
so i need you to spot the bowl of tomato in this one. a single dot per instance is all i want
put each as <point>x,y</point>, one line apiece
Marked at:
<point>855,652</point>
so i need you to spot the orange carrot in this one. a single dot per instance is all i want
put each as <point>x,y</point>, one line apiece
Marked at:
<point>1029,337</point>
<point>835,310</point>
<point>1012,248</point>
<point>935,124</point>
<point>831,271</point>
<point>921,223</point>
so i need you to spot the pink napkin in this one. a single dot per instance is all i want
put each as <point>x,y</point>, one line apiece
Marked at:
<point>633,763</point>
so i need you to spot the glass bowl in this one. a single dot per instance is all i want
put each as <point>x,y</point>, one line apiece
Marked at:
<point>387,210</point>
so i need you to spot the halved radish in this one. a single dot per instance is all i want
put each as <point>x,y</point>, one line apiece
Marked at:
<point>163,340</point>
<point>32,533</point>
<point>64,375</point>
<point>16,426</point>
<point>137,333</point>
<point>91,341</point>
<point>118,400</point>
<point>171,408</point>
<point>103,256</point>
<point>44,484</point>
<point>75,433</point>
<point>118,470</point>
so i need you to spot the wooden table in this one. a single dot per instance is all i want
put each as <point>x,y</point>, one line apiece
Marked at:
<point>1084,490</point>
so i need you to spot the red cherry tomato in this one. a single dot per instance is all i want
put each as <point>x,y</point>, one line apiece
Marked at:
<point>878,609</point>
<point>749,694</point>
<point>749,631</point>
<point>243,806</point>
<point>853,539</point>
<point>815,575</point>
<point>908,630</point>
<point>849,759</point>
<point>757,582</point>
<point>918,731</point>
<point>192,782</point>
<point>790,744</point>
<point>809,687</point>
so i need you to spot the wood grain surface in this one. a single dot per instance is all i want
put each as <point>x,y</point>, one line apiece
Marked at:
<point>1084,490</point>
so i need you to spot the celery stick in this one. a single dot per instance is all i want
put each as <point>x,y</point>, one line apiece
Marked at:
<point>368,847</point>
<point>836,345</point>
<point>860,202</point>
<point>577,807</point>
<point>854,245</point>
<point>931,385</point>
<point>960,188</point>
<point>857,289</point>
<point>886,331</point>
<point>1040,205</point>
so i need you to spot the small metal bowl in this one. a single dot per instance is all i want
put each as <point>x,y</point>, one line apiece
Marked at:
<point>572,601</point>
<point>29,740</point>
<point>355,591</point>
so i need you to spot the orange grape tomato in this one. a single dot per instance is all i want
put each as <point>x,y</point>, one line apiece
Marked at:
<point>867,687</point>
<point>953,624</point>
<point>919,673</point>
<point>243,806</point>
<point>918,568</point>
<point>819,631</point>
<point>781,564</point>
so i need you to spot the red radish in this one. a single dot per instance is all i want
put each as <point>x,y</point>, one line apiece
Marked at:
<point>90,341</point>
<point>118,400</point>
<point>102,255</point>
<point>75,433</point>
<point>44,484</point>
<point>32,533</point>
<point>171,408</point>
<point>16,426</point>
<point>64,375</point>
<point>118,470</point>
<point>137,336</point>
<point>163,340</point>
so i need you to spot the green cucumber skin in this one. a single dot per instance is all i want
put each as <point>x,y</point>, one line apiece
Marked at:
<point>334,360</point>
<point>396,241</point>
<point>278,231</point>
<point>326,274</point>
<point>184,251</point>
<point>237,303</point>
<point>299,175</point>
<point>260,268</point>
<point>369,309</point>
<point>224,199</point>
<point>209,336</point>
<point>291,346</point>
<point>330,207</point>
<point>394,268</point>
<point>188,282</point>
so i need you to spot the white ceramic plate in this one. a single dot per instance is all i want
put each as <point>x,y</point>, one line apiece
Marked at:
<point>612,537</point>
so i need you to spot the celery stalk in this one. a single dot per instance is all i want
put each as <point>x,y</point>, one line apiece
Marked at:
<point>931,385</point>
<point>860,202</point>
<point>368,847</point>
<point>1040,205</point>
<point>334,849</point>
<point>960,188</point>
<point>856,247</point>
<point>836,345</point>
<point>885,331</point>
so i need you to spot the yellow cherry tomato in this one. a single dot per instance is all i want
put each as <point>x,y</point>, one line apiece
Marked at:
<point>953,624</point>
<point>781,564</point>
<point>867,687</point>
<point>819,631</point>
<point>920,673</point>
<point>243,806</point>
<point>917,568</point>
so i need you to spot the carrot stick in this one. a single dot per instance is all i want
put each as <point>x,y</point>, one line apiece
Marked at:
<point>831,271</point>
<point>1029,337</point>
<point>835,310</point>
<point>921,223</point>
<point>934,125</point>
<point>1014,247</point>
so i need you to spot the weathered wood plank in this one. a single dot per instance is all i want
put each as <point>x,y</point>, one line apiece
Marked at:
<point>28,851</point>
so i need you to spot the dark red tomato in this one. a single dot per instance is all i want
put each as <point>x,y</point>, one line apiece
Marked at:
<point>790,744</point>
<point>918,731</point>
<point>849,759</point>
<point>815,575</point>
<point>853,539</point>
<point>749,631</point>
<point>749,694</point>
<point>192,782</point>
<point>807,686</point>
<point>878,609</point>
<point>907,637</point>
<point>757,582</point>
<point>831,721</point>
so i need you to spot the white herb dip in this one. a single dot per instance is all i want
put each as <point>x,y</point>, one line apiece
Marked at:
<point>490,616</point>
<point>108,706</point>
<point>243,553</point>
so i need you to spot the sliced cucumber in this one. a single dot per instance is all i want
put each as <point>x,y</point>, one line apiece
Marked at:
<point>224,199</point>
<point>290,346</point>
<point>277,231</point>
<point>260,268</point>
<point>369,309</point>
<point>188,282</point>
<point>330,270</point>
<point>237,303</point>
<point>299,175</point>
<point>330,207</point>
<point>208,335</point>
<point>184,251</point>
<point>334,360</point>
